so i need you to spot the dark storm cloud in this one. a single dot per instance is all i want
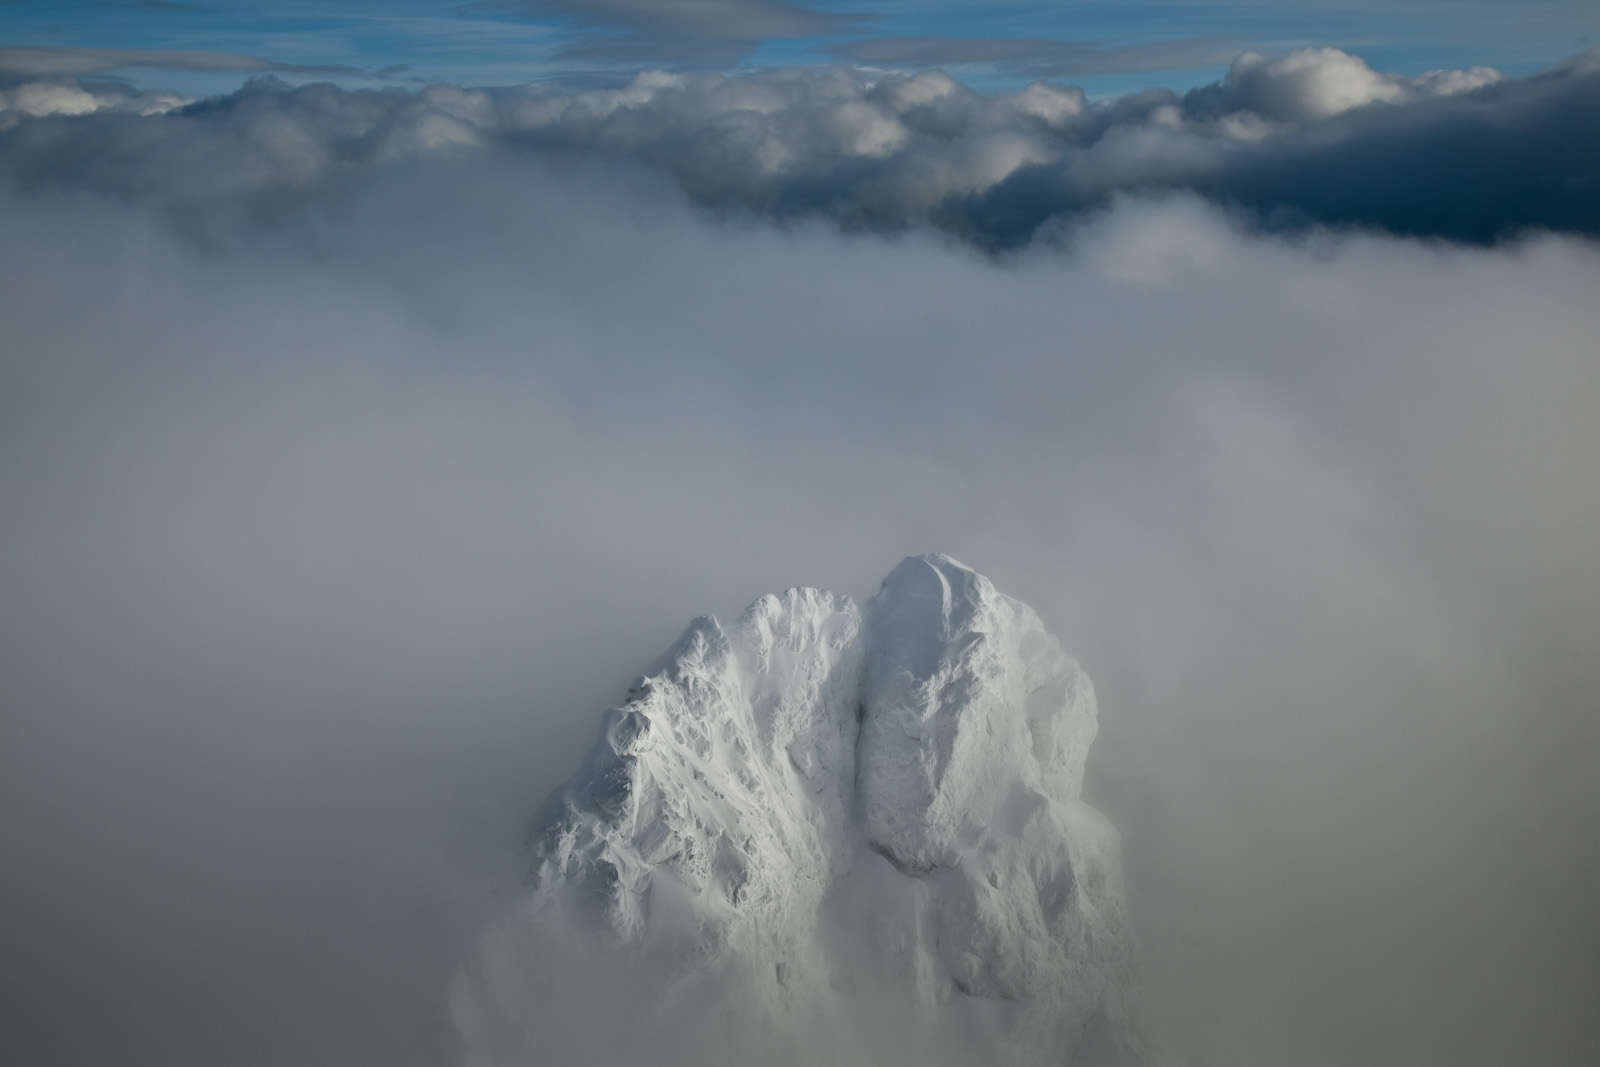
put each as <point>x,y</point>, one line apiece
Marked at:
<point>1039,57</point>
<point>1312,138</point>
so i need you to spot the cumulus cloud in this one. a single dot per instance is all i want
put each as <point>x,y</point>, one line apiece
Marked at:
<point>1315,137</point>
<point>1319,83</point>
<point>63,96</point>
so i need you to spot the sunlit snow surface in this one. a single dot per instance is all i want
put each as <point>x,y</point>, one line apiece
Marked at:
<point>859,826</point>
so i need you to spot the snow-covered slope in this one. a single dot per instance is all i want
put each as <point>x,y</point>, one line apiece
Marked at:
<point>820,808</point>
<point>712,815</point>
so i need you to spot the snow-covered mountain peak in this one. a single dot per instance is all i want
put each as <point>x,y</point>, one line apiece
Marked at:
<point>972,710</point>
<point>821,803</point>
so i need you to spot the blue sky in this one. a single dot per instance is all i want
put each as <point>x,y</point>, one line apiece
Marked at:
<point>1105,46</point>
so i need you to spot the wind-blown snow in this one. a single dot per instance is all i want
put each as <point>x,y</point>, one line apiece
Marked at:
<point>823,802</point>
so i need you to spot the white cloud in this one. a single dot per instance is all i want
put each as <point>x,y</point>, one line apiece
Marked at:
<point>1310,84</point>
<point>39,98</point>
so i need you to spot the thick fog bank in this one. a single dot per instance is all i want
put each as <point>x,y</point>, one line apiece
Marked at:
<point>323,544</point>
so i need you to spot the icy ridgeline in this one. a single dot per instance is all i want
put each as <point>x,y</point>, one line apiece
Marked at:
<point>825,834</point>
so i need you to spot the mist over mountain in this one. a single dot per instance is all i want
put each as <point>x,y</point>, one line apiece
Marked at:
<point>357,447</point>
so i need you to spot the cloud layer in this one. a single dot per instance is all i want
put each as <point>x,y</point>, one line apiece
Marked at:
<point>356,448</point>
<point>1315,137</point>
<point>326,542</point>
